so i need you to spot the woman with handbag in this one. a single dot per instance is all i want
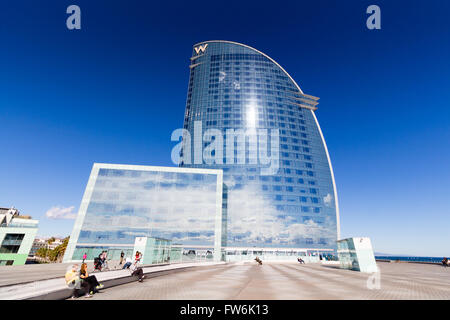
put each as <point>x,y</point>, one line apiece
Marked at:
<point>94,285</point>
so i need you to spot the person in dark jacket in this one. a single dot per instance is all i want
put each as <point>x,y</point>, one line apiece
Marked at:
<point>137,271</point>
<point>94,285</point>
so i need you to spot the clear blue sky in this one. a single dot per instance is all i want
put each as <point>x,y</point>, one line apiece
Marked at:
<point>115,90</point>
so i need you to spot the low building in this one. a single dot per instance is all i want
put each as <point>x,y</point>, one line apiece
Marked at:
<point>182,208</point>
<point>17,233</point>
<point>38,243</point>
<point>55,243</point>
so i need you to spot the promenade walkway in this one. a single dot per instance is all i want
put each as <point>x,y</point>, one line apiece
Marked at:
<point>34,272</point>
<point>244,280</point>
<point>290,281</point>
<point>30,281</point>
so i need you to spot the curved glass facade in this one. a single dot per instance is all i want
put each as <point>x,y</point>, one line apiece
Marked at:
<point>233,86</point>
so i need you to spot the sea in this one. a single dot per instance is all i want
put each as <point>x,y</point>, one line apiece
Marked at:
<point>411,259</point>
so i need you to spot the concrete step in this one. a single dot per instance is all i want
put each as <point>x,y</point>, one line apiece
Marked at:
<point>56,289</point>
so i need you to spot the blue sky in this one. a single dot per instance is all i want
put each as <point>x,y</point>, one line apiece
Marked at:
<point>115,90</point>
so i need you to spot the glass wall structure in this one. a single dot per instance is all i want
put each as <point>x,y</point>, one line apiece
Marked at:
<point>357,254</point>
<point>231,87</point>
<point>123,202</point>
<point>154,250</point>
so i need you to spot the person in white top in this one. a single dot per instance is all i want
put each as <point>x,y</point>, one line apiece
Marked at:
<point>127,263</point>
<point>137,271</point>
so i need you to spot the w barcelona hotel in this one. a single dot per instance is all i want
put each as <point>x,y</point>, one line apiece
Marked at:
<point>251,177</point>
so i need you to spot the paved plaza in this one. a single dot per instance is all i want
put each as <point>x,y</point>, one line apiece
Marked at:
<point>289,281</point>
<point>10,275</point>
<point>42,282</point>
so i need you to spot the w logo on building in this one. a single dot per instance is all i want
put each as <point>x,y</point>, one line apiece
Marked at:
<point>200,48</point>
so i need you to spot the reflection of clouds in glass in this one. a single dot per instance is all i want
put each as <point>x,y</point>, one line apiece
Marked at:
<point>178,209</point>
<point>253,219</point>
<point>187,238</point>
<point>222,76</point>
<point>327,200</point>
<point>251,114</point>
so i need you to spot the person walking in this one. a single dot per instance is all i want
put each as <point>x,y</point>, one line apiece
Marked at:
<point>94,285</point>
<point>84,257</point>
<point>104,260</point>
<point>122,254</point>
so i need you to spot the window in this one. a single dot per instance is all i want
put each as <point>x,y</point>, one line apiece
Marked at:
<point>14,236</point>
<point>6,262</point>
<point>11,243</point>
<point>9,249</point>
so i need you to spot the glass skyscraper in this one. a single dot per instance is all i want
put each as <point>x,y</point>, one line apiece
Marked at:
<point>287,202</point>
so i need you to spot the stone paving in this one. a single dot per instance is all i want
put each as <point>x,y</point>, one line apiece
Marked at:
<point>40,287</point>
<point>10,275</point>
<point>289,281</point>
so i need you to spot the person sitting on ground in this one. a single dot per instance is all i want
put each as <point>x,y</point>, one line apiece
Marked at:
<point>94,285</point>
<point>98,262</point>
<point>138,257</point>
<point>257,259</point>
<point>137,271</point>
<point>300,260</point>
<point>74,282</point>
<point>127,263</point>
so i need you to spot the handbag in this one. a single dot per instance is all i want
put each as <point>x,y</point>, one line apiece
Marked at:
<point>75,283</point>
